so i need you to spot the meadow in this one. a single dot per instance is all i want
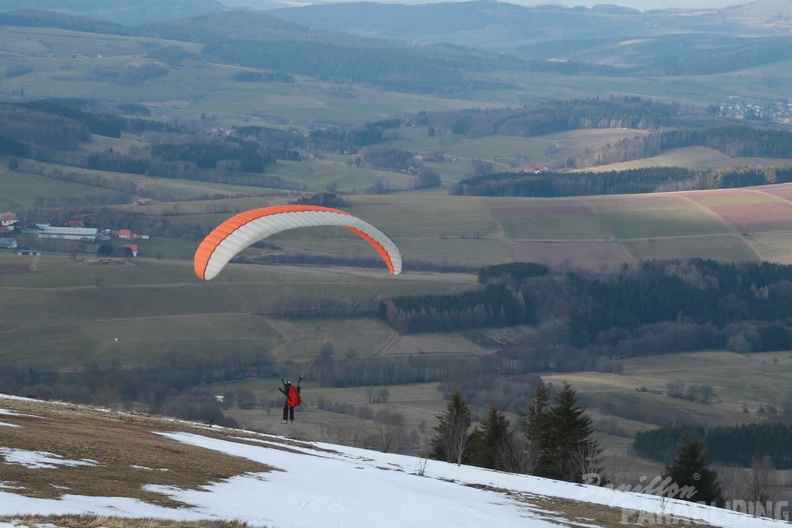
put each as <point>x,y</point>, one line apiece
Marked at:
<point>154,303</point>
<point>69,309</point>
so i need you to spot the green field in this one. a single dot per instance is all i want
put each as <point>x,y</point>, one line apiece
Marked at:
<point>773,247</point>
<point>21,190</point>
<point>739,380</point>
<point>644,217</point>
<point>68,309</point>
<point>550,219</point>
<point>71,311</point>
<point>725,247</point>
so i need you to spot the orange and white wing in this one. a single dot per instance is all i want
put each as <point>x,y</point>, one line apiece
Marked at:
<point>244,229</point>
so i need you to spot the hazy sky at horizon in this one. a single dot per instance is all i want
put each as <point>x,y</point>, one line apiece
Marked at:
<point>642,5</point>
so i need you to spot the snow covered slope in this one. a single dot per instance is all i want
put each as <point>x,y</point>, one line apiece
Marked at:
<point>305,484</point>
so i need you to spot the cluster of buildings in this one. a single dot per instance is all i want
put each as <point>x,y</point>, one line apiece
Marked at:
<point>7,223</point>
<point>10,226</point>
<point>777,112</point>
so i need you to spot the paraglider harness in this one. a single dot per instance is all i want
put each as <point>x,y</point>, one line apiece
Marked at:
<point>292,393</point>
<point>293,398</point>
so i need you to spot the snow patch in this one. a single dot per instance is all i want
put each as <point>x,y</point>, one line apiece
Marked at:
<point>135,466</point>
<point>40,459</point>
<point>6,412</point>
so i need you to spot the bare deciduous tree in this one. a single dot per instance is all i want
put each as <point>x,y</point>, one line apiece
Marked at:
<point>584,459</point>
<point>351,433</point>
<point>757,482</point>
<point>452,439</point>
<point>390,429</point>
<point>517,455</point>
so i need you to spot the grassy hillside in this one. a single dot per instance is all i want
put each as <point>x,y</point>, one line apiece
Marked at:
<point>690,158</point>
<point>155,303</point>
<point>69,310</point>
<point>136,470</point>
<point>167,67</point>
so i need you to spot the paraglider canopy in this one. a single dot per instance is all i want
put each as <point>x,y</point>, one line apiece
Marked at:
<point>240,231</point>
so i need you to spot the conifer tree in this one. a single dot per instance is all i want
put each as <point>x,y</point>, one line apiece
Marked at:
<point>564,436</point>
<point>689,477</point>
<point>572,451</point>
<point>491,441</point>
<point>452,439</point>
<point>536,428</point>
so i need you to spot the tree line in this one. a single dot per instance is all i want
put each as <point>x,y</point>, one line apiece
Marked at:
<point>349,371</point>
<point>735,445</point>
<point>630,181</point>
<point>733,140</point>
<point>248,156</point>
<point>101,124</point>
<point>558,116</point>
<point>655,308</point>
<point>167,384</point>
<point>492,306</point>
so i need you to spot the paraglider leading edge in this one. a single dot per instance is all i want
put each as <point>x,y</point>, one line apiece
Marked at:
<point>240,231</point>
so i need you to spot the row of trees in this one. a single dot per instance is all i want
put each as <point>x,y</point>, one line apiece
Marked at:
<point>248,155</point>
<point>554,440</point>
<point>557,116</point>
<point>631,181</point>
<point>101,124</point>
<point>161,386</point>
<point>494,305</point>
<point>734,141</point>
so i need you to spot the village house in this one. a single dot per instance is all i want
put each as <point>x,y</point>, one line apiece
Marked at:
<point>133,248</point>
<point>429,156</point>
<point>536,169</point>
<point>8,220</point>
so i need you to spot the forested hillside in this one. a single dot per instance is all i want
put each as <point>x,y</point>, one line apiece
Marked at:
<point>743,446</point>
<point>658,308</point>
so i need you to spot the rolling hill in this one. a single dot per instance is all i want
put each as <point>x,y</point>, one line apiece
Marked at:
<point>464,87</point>
<point>654,42</point>
<point>137,467</point>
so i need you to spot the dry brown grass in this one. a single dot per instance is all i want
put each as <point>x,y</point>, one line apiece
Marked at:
<point>127,453</point>
<point>585,514</point>
<point>124,450</point>
<point>573,513</point>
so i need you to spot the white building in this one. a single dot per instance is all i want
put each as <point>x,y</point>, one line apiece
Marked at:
<point>68,233</point>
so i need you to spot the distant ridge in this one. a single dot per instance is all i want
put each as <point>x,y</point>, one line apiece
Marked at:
<point>653,42</point>
<point>125,12</point>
